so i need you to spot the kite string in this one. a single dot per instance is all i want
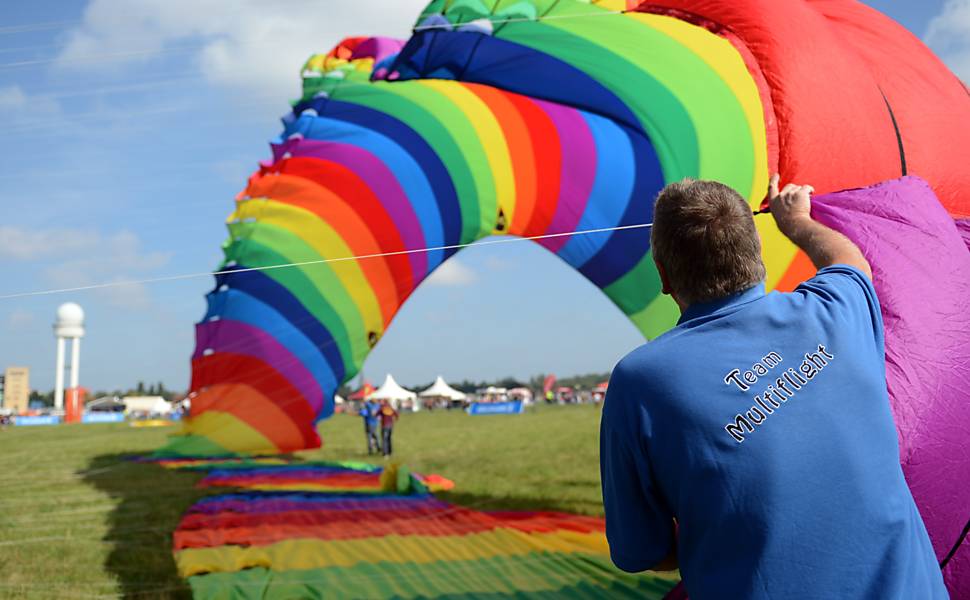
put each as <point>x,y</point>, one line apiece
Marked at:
<point>506,240</point>
<point>449,26</point>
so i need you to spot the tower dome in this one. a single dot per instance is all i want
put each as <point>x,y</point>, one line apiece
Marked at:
<point>70,320</point>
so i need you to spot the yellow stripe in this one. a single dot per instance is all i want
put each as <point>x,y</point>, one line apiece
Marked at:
<point>186,464</point>
<point>327,243</point>
<point>305,487</point>
<point>489,132</point>
<point>229,432</point>
<point>314,553</point>
<point>725,60</point>
<point>611,5</point>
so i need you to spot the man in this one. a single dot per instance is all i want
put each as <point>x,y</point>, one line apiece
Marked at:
<point>368,413</point>
<point>388,416</point>
<point>753,443</point>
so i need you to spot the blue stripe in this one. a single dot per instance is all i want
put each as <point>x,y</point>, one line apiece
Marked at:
<point>625,249</point>
<point>406,170</point>
<point>612,189</point>
<point>414,144</point>
<point>266,289</point>
<point>236,305</point>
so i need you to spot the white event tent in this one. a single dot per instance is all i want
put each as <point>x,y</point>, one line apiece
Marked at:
<point>440,389</point>
<point>394,393</point>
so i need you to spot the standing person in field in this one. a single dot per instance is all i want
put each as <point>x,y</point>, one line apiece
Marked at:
<point>753,445</point>
<point>368,413</point>
<point>387,416</point>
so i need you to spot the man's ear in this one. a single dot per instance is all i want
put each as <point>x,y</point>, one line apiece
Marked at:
<point>663,278</point>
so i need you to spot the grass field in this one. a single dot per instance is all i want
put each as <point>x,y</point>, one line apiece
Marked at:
<point>78,520</point>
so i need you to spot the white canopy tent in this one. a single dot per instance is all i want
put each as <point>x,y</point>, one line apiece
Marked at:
<point>391,391</point>
<point>155,405</point>
<point>440,389</point>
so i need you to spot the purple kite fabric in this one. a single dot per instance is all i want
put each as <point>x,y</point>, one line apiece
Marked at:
<point>921,271</point>
<point>964,227</point>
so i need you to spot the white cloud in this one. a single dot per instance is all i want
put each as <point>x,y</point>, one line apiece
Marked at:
<point>252,43</point>
<point>32,244</point>
<point>948,35</point>
<point>20,319</point>
<point>12,97</point>
<point>452,274</point>
<point>81,257</point>
<point>21,109</point>
<point>495,263</point>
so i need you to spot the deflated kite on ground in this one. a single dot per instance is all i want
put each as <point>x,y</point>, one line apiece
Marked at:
<point>325,530</point>
<point>537,117</point>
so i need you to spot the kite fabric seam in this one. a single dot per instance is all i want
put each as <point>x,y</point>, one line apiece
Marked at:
<point>899,135</point>
<point>506,240</point>
<point>956,546</point>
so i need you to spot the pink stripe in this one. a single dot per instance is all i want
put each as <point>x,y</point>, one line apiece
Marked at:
<point>381,181</point>
<point>578,170</point>
<point>239,338</point>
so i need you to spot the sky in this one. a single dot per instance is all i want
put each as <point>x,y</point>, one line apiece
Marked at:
<point>128,127</point>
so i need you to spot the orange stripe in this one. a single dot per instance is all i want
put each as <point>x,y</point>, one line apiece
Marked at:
<point>254,409</point>
<point>519,141</point>
<point>335,211</point>
<point>801,269</point>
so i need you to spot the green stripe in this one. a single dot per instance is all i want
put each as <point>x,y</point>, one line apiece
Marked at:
<point>434,8</point>
<point>447,130</point>
<point>695,122</point>
<point>534,575</point>
<point>192,445</point>
<point>308,290</point>
<point>399,100</point>
<point>658,316</point>
<point>636,288</point>
<point>668,126</point>
<point>638,294</point>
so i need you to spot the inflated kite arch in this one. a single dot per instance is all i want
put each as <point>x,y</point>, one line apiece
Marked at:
<point>533,117</point>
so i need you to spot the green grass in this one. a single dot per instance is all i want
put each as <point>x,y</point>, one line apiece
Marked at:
<point>77,520</point>
<point>546,458</point>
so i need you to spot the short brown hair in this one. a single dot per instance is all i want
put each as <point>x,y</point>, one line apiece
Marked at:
<point>704,237</point>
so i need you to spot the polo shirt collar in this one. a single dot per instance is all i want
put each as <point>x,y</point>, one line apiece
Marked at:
<point>703,309</point>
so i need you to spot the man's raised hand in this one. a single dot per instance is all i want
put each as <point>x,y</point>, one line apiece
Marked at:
<point>791,206</point>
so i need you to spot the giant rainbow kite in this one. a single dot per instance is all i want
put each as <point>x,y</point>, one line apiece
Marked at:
<point>539,117</point>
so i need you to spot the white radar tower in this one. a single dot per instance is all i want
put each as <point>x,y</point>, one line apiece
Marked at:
<point>69,326</point>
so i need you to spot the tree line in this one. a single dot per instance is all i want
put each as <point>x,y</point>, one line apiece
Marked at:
<point>140,389</point>
<point>535,383</point>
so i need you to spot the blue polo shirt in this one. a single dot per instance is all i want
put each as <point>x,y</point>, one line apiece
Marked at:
<point>762,424</point>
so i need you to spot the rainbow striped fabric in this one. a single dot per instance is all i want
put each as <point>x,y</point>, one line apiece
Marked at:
<point>528,119</point>
<point>539,118</point>
<point>283,537</point>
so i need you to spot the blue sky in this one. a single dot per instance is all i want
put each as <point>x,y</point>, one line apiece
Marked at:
<point>126,129</point>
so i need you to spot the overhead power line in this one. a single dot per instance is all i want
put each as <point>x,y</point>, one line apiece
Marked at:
<point>28,27</point>
<point>504,240</point>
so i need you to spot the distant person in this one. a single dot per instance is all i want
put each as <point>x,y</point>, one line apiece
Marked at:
<point>753,444</point>
<point>368,413</point>
<point>388,416</point>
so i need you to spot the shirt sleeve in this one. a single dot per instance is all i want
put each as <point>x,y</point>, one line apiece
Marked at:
<point>848,290</point>
<point>639,526</point>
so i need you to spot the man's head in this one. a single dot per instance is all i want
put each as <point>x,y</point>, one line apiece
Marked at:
<point>704,242</point>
